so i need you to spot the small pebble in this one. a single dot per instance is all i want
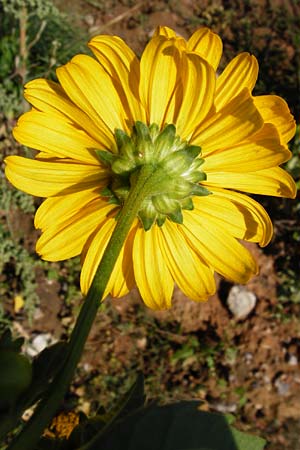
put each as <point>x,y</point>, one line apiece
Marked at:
<point>241,302</point>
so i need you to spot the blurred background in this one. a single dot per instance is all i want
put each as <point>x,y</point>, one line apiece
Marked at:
<point>239,353</point>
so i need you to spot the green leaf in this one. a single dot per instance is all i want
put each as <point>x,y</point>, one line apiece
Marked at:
<point>8,343</point>
<point>246,441</point>
<point>91,431</point>
<point>180,426</point>
<point>45,366</point>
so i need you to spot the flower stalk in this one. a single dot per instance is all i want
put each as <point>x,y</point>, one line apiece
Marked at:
<point>28,437</point>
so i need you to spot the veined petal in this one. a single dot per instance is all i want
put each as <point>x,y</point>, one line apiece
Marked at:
<point>49,133</point>
<point>220,250</point>
<point>151,273</point>
<point>123,66</point>
<point>207,44</point>
<point>274,181</point>
<point>239,214</point>
<point>189,271</point>
<point>164,31</point>
<point>91,88</point>
<point>120,281</point>
<point>122,277</point>
<point>237,121</point>
<point>66,238</point>
<point>240,73</point>
<point>49,97</point>
<point>61,208</point>
<point>198,94</point>
<point>261,151</point>
<point>275,110</point>
<point>159,80</point>
<point>45,179</point>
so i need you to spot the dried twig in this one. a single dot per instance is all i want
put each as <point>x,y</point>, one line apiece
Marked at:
<point>99,29</point>
<point>38,35</point>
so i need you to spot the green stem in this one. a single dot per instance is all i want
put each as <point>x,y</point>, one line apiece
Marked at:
<point>29,436</point>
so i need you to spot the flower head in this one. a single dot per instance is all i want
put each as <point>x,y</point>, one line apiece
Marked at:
<point>206,138</point>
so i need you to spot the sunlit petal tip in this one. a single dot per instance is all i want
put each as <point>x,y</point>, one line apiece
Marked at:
<point>164,31</point>
<point>240,73</point>
<point>208,44</point>
<point>275,110</point>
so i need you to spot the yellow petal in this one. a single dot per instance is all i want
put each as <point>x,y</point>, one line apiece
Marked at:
<point>164,31</point>
<point>234,123</point>
<point>261,151</point>
<point>48,133</point>
<point>159,80</point>
<point>220,250</point>
<point>275,110</point>
<point>207,44</point>
<point>198,94</point>
<point>240,215</point>
<point>18,303</point>
<point>92,89</point>
<point>121,278</point>
<point>150,269</point>
<point>45,179</point>
<point>58,209</point>
<point>93,252</point>
<point>240,73</point>
<point>274,181</point>
<point>49,97</point>
<point>123,66</point>
<point>65,238</point>
<point>189,271</point>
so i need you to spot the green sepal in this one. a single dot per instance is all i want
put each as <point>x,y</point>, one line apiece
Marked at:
<point>123,165</point>
<point>121,192</point>
<point>199,190</point>
<point>121,138</point>
<point>187,204</point>
<point>105,157</point>
<point>196,151</point>
<point>196,177</point>
<point>176,216</point>
<point>147,215</point>
<point>106,192</point>
<point>141,132</point>
<point>111,198</point>
<point>146,220</point>
<point>160,220</point>
<point>114,201</point>
<point>164,143</point>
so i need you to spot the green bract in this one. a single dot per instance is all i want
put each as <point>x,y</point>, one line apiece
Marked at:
<point>176,171</point>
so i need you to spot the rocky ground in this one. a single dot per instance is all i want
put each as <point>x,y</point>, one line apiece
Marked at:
<point>238,353</point>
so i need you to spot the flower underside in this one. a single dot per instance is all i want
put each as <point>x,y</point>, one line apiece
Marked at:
<point>174,168</point>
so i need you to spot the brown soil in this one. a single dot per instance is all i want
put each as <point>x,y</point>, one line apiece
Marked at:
<point>250,368</point>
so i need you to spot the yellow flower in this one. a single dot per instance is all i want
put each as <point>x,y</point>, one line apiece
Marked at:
<point>107,117</point>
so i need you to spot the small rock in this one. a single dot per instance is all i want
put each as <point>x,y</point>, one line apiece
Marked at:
<point>39,343</point>
<point>282,387</point>
<point>241,302</point>
<point>293,360</point>
<point>225,408</point>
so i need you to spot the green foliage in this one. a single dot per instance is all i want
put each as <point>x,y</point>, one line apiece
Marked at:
<point>25,382</point>
<point>35,38</point>
<point>131,425</point>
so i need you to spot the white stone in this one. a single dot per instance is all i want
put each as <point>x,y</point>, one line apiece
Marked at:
<point>241,301</point>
